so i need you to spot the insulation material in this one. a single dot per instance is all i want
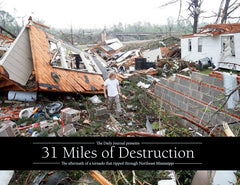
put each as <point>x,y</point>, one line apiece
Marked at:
<point>230,83</point>
<point>143,85</point>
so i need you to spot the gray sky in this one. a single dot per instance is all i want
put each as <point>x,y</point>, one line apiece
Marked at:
<point>97,13</point>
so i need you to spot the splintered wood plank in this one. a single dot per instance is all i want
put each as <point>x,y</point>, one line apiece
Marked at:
<point>102,180</point>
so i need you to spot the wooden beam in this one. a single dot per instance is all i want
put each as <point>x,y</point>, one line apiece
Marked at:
<point>36,23</point>
<point>6,38</point>
<point>97,45</point>
<point>5,84</point>
<point>14,83</point>
<point>102,180</point>
<point>12,88</point>
<point>227,130</point>
<point>10,33</point>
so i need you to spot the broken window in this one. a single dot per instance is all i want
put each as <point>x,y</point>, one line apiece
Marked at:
<point>189,44</point>
<point>69,57</point>
<point>228,47</point>
<point>200,45</point>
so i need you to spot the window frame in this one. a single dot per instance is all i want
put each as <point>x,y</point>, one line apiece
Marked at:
<point>189,45</point>
<point>231,40</point>
<point>200,47</point>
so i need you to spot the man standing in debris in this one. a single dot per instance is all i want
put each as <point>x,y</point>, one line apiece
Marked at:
<point>111,85</point>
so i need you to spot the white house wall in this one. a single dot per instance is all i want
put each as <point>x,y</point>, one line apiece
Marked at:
<point>212,48</point>
<point>18,59</point>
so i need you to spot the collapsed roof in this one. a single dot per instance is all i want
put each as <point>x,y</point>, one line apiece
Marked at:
<point>37,61</point>
<point>216,29</point>
<point>107,48</point>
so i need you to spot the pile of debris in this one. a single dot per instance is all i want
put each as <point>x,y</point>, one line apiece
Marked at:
<point>93,177</point>
<point>48,64</point>
<point>51,65</point>
<point>162,61</point>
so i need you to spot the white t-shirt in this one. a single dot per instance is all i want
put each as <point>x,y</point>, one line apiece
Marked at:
<point>112,87</point>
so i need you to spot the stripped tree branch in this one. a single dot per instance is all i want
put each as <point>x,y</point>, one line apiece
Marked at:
<point>224,103</point>
<point>137,133</point>
<point>168,3</point>
<point>124,178</point>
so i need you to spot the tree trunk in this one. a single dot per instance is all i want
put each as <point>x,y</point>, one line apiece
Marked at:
<point>195,16</point>
<point>225,12</point>
<point>219,11</point>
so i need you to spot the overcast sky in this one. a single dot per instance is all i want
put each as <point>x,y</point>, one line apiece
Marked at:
<point>98,13</point>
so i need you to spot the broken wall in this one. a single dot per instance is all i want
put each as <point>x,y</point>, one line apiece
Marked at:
<point>18,60</point>
<point>190,96</point>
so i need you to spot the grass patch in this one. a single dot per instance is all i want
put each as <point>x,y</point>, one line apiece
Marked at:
<point>228,71</point>
<point>206,71</point>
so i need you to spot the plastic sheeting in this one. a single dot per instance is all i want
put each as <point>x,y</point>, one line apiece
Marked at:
<point>22,96</point>
<point>230,83</point>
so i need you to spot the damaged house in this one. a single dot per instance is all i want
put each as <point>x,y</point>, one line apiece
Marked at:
<point>218,42</point>
<point>108,48</point>
<point>37,61</point>
<point>108,52</point>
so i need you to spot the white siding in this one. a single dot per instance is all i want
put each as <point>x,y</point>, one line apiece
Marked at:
<point>212,48</point>
<point>18,60</point>
<point>152,54</point>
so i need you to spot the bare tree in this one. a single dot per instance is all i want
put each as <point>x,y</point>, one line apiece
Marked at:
<point>194,7</point>
<point>229,9</point>
<point>225,11</point>
<point>195,11</point>
<point>173,2</point>
<point>170,25</point>
<point>219,11</point>
<point>168,3</point>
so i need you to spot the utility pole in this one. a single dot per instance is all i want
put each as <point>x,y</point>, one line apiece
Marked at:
<point>71,35</point>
